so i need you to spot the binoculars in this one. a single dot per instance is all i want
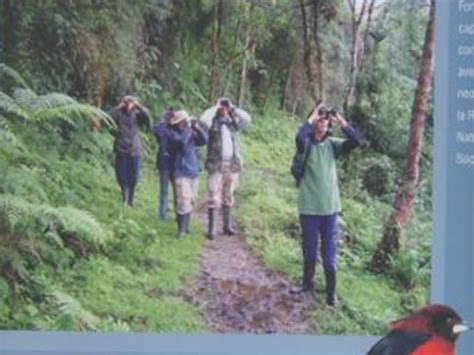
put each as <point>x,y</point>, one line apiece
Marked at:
<point>325,112</point>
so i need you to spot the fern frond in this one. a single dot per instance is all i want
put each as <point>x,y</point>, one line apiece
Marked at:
<point>83,226</point>
<point>72,112</point>
<point>8,106</point>
<point>8,138</point>
<point>25,98</point>
<point>10,79</point>
<point>52,100</point>
<point>12,212</point>
<point>112,325</point>
<point>78,229</point>
<point>71,313</point>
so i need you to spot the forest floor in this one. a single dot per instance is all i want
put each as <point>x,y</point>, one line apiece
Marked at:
<point>236,293</point>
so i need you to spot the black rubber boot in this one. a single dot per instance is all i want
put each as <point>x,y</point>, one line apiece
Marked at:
<point>131,195</point>
<point>308,276</point>
<point>187,218</point>
<point>181,219</point>
<point>211,227</point>
<point>330,276</point>
<point>227,219</point>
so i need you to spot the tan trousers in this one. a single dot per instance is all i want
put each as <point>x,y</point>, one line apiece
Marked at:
<point>186,193</point>
<point>221,186</point>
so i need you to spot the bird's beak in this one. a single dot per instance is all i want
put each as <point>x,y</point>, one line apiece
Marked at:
<point>459,328</point>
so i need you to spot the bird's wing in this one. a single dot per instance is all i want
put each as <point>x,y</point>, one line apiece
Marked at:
<point>399,342</point>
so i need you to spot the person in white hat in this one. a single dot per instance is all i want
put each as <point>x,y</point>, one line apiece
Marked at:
<point>223,161</point>
<point>183,138</point>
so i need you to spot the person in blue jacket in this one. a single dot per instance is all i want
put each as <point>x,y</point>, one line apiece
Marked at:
<point>183,138</point>
<point>163,160</point>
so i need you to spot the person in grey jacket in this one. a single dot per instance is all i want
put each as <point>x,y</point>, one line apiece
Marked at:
<point>129,115</point>
<point>223,161</point>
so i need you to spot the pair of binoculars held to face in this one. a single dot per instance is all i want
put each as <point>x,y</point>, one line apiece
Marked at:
<point>326,113</point>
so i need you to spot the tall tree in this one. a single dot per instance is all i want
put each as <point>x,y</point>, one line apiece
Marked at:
<point>405,196</point>
<point>355,46</point>
<point>9,19</point>
<point>216,33</point>
<point>249,50</point>
<point>308,54</point>
<point>317,7</point>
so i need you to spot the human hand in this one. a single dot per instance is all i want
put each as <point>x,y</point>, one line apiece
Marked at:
<point>338,119</point>
<point>318,113</point>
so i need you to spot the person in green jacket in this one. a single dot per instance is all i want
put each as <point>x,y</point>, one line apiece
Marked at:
<point>319,201</point>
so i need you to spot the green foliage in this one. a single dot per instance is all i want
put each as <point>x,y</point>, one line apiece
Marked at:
<point>11,79</point>
<point>378,175</point>
<point>71,314</point>
<point>67,244</point>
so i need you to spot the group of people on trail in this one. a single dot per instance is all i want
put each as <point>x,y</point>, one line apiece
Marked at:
<point>178,134</point>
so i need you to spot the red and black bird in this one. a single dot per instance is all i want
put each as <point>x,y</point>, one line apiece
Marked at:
<point>431,330</point>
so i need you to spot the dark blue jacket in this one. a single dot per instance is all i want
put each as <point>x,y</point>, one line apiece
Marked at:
<point>182,148</point>
<point>305,136</point>
<point>163,157</point>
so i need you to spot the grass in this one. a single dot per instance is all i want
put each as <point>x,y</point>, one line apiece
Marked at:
<point>133,281</point>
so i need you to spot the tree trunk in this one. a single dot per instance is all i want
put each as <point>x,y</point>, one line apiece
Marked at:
<point>307,55</point>
<point>355,60</point>
<point>318,51</point>
<point>249,49</point>
<point>367,29</point>
<point>9,41</point>
<point>216,30</point>
<point>404,198</point>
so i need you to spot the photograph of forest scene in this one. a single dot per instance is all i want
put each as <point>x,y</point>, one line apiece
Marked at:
<point>74,258</point>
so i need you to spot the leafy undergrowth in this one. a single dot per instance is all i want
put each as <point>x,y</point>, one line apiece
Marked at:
<point>268,216</point>
<point>71,256</point>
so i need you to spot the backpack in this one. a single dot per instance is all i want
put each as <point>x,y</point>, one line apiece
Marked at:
<point>298,164</point>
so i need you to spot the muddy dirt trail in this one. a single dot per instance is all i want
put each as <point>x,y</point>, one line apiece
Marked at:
<point>236,293</point>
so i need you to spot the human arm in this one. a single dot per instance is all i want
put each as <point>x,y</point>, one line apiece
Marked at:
<point>143,116</point>
<point>302,136</point>
<point>240,118</point>
<point>352,137</point>
<point>179,137</point>
<point>199,134</point>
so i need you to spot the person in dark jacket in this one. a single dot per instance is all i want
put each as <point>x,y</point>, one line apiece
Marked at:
<point>319,201</point>
<point>183,138</point>
<point>129,115</point>
<point>163,160</point>
<point>223,161</point>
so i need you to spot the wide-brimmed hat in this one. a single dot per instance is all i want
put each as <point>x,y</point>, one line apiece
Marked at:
<point>179,116</point>
<point>129,98</point>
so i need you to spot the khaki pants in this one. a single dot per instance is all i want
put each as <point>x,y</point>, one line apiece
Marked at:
<point>221,186</point>
<point>186,193</point>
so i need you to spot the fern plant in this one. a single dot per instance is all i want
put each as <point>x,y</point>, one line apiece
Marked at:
<point>32,234</point>
<point>18,100</point>
<point>11,79</point>
<point>70,313</point>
